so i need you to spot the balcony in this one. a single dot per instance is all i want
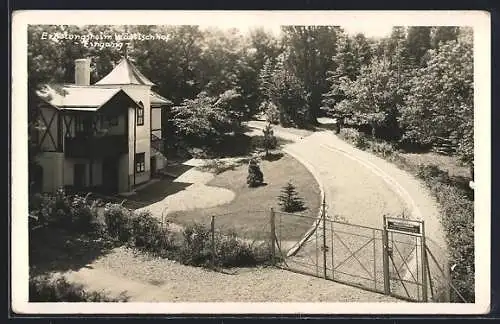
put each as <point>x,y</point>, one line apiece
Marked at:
<point>95,147</point>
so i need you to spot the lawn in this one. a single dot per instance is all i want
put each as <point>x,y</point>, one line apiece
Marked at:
<point>248,213</point>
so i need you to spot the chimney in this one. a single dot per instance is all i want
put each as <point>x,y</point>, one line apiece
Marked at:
<point>82,72</point>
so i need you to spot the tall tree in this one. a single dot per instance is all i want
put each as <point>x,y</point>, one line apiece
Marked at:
<point>443,34</point>
<point>312,49</point>
<point>373,98</point>
<point>418,42</point>
<point>353,53</point>
<point>441,101</point>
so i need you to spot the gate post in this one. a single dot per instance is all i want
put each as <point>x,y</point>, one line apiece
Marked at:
<point>423,255</point>
<point>272,236</point>
<point>323,216</point>
<point>385,258</point>
<point>212,232</point>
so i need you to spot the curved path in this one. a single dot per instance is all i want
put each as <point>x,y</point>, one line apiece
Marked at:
<point>361,187</point>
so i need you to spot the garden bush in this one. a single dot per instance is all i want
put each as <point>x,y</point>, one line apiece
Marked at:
<point>354,137</point>
<point>230,251</point>
<point>74,213</point>
<point>457,217</point>
<point>118,222</point>
<point>148,233</point>
<point>255,176</point>
<point>47,289</point>
<point>381,148</point>
<point>195,247</point>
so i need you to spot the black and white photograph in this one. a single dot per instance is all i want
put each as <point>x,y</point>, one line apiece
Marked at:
<point>257,162</point>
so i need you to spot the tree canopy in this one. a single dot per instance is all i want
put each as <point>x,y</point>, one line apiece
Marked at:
<point>415,85</point>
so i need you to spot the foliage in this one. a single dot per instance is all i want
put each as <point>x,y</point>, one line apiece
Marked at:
<point>47,289</point>
<point>74,213</point>
<point>458,221</point>
<point>354,137</point>
<point>310,53</point>
<point>270,140</point>
<point>255,176</point>
<point>441,101</point>
<point>149,234</point>
<point>270,111</point>
<point>372,99</point>
<point>205,117</point>
<point>289,199</point>
<point>230,251</point>
<point>118,222</point>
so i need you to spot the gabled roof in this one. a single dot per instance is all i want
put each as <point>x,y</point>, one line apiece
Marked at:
<point>125,73</point>
<point>81,98</point>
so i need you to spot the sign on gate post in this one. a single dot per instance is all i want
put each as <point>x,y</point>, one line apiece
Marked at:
<point>404,226</point>
<point>407,227</point>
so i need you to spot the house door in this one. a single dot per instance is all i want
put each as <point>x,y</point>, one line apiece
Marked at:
<point>110,175</point>
<point>79,176</point>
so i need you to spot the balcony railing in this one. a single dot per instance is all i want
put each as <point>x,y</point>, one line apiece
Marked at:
<point>96,147</point>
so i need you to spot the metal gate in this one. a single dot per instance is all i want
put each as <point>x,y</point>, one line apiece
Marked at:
<point>391,261</point>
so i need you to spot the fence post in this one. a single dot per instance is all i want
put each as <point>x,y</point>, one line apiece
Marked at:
<point>385,259</point>
<point>323,216</point>
<point>423,262</point>
<point>447,292</point>
<point>272,236</point>
<point>212,231</point>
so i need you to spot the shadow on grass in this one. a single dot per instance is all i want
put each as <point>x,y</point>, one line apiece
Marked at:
<point>155,192</point>
<point>53,250</point>
<point>273,156</point>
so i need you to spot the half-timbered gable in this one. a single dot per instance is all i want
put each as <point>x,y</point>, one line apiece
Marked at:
<point>96,136</point>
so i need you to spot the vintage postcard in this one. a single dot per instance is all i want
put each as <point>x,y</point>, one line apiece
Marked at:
<point>253,162</point>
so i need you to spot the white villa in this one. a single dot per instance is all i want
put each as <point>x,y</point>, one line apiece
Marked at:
<point>105,137</point>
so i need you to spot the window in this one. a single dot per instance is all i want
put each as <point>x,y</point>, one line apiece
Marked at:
<point>140,114</point>
<point>140,164</point>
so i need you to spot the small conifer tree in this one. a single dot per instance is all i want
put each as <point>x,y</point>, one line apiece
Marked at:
<point>289,199</point>
<point>270,141</point>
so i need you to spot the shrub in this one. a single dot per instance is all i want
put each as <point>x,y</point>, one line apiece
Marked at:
<point>195,248</point>
<point>83,215</point>
<point>289,199</point>
<point>118,222</point>
<point>255,176</point>
<point>432,173</point>
<point>382,148</point>
<point>148,234</point>
<point>46,289</point>
<point>230,251</point>
<point>74,213</point>
<point>457,217</point>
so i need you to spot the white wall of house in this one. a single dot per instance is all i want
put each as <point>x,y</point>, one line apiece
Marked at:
<point>142,133</point>
<point>53,166</point>
<point>156,121</point>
